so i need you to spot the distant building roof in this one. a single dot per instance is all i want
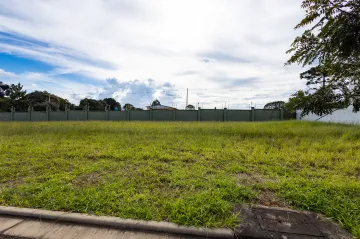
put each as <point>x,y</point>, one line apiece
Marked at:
<point>160,107</point>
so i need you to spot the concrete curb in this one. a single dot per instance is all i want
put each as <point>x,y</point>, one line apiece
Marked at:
<point>115,222</point>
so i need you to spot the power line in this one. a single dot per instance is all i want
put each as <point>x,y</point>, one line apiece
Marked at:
<point>204,89</point>
<point>152,92</point>
<point>177,97</point>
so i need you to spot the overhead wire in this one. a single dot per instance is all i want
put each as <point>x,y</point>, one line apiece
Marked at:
<point>216,92</point>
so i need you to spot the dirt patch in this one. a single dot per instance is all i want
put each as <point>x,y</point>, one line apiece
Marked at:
<point>92,157</point>
<point>269,198</point>
<point>87,179</point>
<point>357,172</point>
<point>266,197</point>
<point>249,179</point>
<point>13,183</point>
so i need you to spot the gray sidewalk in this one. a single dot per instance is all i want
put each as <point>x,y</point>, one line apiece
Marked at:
<point>259,222</point>
<point>31,228</point>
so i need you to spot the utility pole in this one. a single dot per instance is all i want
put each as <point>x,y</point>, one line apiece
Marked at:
<point>48,107</point>
<point>187,97</point>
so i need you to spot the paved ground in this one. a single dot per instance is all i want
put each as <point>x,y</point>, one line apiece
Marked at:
<point>29,228</point>
<point>258,223</point>
<point>262,222</point>
<point>11,237</point>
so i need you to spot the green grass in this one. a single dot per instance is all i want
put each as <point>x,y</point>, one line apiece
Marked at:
<point>187,173</point>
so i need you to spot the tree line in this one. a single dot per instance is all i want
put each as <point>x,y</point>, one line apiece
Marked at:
<point>15,96</point>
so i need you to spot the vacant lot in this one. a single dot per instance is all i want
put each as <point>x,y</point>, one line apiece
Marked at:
<point>187,173</point>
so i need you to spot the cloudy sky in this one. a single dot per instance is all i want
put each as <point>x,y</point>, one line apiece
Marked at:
<point>225,51</point>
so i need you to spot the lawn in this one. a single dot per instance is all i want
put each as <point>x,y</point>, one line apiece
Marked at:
<point>187,173</point>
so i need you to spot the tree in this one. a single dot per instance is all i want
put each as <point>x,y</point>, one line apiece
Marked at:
<point>190,107</point>
<point>323,101</point>
<point>155,102</point>
<point>16,92</point>
<point>3,89</point>
<point>295,101</point>
<point>316,76</point>
<point>333,42</point>
<point>93,104</point>
<point>16,95</point>
<point>112,103</point>
<point>5,105</point>
<point>322,96</point>
<point>128,106</point>
<point>276,105</point>
<point>41,100</point>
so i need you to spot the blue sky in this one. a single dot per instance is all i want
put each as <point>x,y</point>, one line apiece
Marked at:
<point>225,51</point>
<point>18,65</point>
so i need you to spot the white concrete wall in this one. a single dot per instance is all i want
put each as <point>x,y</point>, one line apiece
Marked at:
<point>339,116</point>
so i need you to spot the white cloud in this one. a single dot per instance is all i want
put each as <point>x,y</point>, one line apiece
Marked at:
<point>5,73</point>
<point>220,42</point>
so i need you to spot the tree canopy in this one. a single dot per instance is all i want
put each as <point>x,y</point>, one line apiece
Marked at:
<point>331,42</point>
<point>16,96</point>
<point>5,104</point>
<point>3,89</point>
<point>16,92</point>
<point>93,104</point>
<point>128,106</point>
<point>112,103</point>
<point>155,102</point>
<point>40,100</point>
<point>190,107</point>
<point>276,105</point>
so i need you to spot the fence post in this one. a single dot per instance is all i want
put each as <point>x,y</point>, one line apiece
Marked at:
<point>151,115</point>
<point>12,113</point>
<point>199,114</point>
<point>128,115</point>
<point>67,113</point>
<point>174,115</point>
<point>47,113</point>
<point>87,111</point>
<point>107,109</point>
<point>252,113</point>
<point>282,114</point>
<point>29,113</point>
<point>225,115</point>
<point>106,113</point>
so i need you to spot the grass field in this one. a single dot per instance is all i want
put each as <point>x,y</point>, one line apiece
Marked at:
<point>187,173</point>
